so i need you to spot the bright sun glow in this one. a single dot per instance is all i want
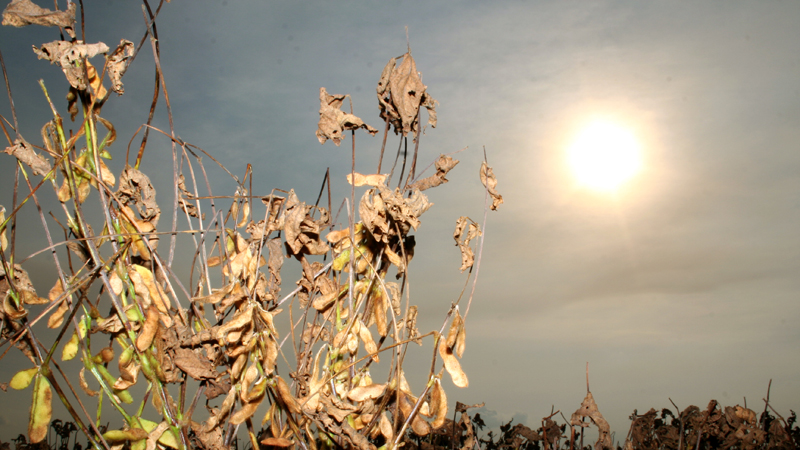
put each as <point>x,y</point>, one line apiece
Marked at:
<point>604,156</point>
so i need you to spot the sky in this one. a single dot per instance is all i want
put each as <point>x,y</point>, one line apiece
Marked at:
<point>679,286</point>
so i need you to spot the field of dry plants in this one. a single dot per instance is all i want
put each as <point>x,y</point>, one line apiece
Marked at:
<point>199,362</point>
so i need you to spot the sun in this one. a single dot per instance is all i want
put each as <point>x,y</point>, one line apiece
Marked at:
<point>604,156</point>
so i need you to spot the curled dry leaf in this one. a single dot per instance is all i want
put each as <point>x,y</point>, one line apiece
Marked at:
<point>135,187</point>
<point>117,63</point>
<point>185,196</point>
<point>452,365</point>
<point>41,409</point>
<point>589,409</point>
<point>20,13</point>
<point>490,182</point>
<point>302,231</point>
<point>462,240</point>
<point>332,120</point>
<point>401,94</point>
<point>443,165</point>
<point>23,151</point>
<point>23,287</point>
<point>194,365</point>
<point>69,56</point>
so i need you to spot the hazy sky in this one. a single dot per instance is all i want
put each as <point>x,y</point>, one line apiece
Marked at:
<point>683,285</point>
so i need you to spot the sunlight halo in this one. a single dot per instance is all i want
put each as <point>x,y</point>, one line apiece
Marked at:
<point>604,156</point>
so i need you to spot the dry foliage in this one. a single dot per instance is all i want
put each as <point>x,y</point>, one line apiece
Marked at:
<point>212,342</point>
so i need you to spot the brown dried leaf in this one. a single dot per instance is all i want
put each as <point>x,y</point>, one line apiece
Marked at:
<point>443,165</point>
<point>24,152</point>
<point>589,409</point>
<point>135,186</point>
<point>473,231</point>
<point>332,120</point>
<point>452,365</point>
<point>401,94</point>
<point>117,63</point>
<point>23,287</point>
<point>70,56</point>
<point>302,231</point>
<point>20,13</point>
<point>490,182</point>
<point>195,366</point>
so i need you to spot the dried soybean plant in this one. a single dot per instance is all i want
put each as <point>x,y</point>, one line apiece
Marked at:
<point>157,348</point>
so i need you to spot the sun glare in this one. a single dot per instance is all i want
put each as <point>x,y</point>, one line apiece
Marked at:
<point>604,156</point>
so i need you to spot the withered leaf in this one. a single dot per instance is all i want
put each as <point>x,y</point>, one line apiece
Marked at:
<point>23,151</point>
<point>401,94</point>
<point>332,120</point>
<point>24,288</point>
<point>589,409</point>
<point>302,231</point>
<point>185,196</point>
<point>69,56</point>
<point>135,186</point>
<point>117,63</point>
<point>443,165</point>
<point>20,13</point>
<point>490,182</point>
<point>195,366</point>
<point>462,239</point>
